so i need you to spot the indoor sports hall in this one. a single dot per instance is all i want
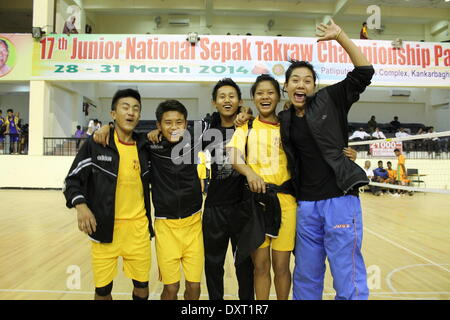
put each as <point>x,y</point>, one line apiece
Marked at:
<point>63,60</point>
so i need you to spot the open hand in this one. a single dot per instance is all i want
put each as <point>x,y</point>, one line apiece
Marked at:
<point>329,31</point>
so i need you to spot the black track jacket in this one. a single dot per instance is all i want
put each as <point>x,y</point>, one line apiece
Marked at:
<point>326,116</point>
<point>92,179</point>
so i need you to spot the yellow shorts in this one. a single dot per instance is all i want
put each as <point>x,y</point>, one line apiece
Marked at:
<point>180,241</point>
<point>286,235</point>
<point>131,241</point>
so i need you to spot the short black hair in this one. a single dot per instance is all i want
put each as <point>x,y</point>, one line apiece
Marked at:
<point>10,110</point>
<point>266,77</point>
<point>170,105</point>
<point>388,162</point>
<point>380,161</point>
<point>125,93</point>
<point>78,127</point>
<point>300,64</point>
<point>364,23</point>
<point>395,150</point>
<point>226,82</point>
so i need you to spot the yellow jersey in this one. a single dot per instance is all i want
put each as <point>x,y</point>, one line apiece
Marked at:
<point>266,156</point>
<point>129,203</point>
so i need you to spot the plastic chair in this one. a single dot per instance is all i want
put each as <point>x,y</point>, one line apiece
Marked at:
<point>415,177</point>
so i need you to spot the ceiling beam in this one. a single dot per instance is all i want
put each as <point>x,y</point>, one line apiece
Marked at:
<point>340,6</point>
<point>209,13</point>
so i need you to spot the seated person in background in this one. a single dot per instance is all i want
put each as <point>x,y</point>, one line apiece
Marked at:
<point>392,179</point>
<point>421,131</point>
<point>432,144</point>
<point>401,133</point>
<point>367,170</point>
<point>395,124</point>
<point>380,174</point>
<point>372,124</point>
<point>359,135</point>
<point>392,174</point>
<point>369,173</point>
<point>378,134</point>
<point>430,131</point>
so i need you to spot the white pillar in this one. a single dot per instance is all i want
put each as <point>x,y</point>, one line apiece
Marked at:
<point>43,11</point>
<point>39,100</point>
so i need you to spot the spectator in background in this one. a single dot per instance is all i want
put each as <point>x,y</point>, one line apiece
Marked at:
<point>23,147</point>
<point>69,26</point>
<point>401,133</point>
<point>203,172</point>
<point>359,135</point>
<point>111,125</point>
<point>369,173</point>
<point>378,134</point>
<point>92,127</point>
<point>392,179</point>
<point>79,133</point>
<point>432,144</point>
<point>431,131</point>
<point>421,131</point>
<point>402,177</point>
<point>372,124</point>
<point>2,132</point>
<point>367,170</point>
<point>380,174</point>
<point>395,124</point>
<point>363,33</point>
<point>392,174</point>
<point>407,145</point>
<point>12,128</point>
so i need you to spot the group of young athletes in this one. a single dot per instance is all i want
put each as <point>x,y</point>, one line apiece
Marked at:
<point>279,183</point>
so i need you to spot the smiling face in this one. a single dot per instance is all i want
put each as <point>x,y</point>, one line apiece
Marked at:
<point>227,101</point>
<point>266,98</point>
<point>172,125</point>
<point>300,85</point>
<point>126,114</point>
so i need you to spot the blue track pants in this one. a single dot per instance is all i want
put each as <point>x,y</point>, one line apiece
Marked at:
<point>332,229</point>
